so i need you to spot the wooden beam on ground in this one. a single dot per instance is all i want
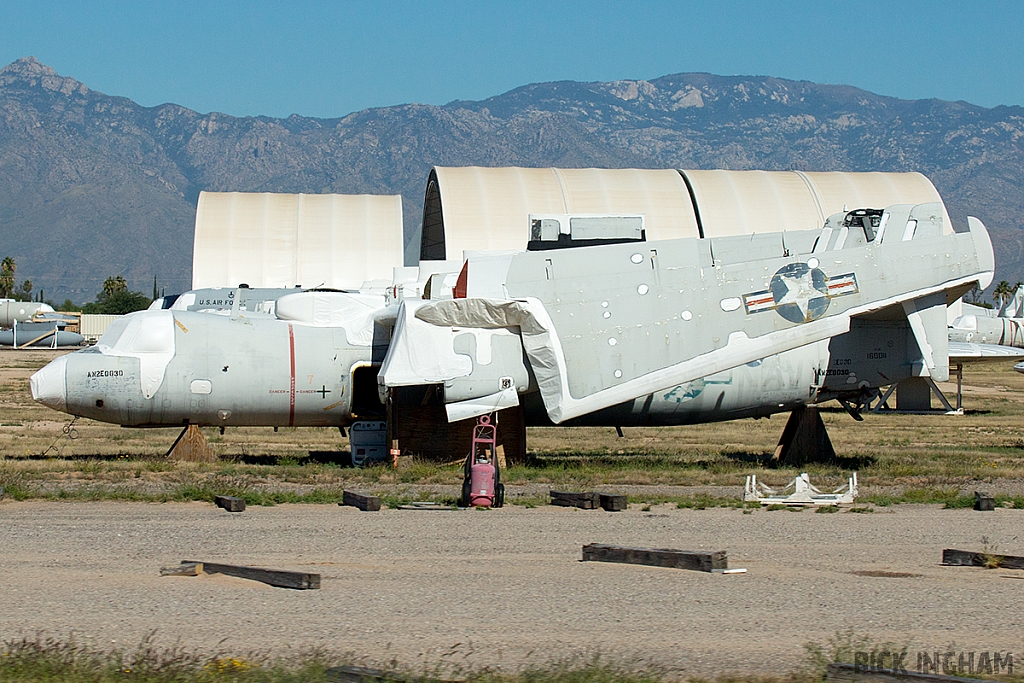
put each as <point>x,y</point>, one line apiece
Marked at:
<point>966,558</point>
<point>611,502</point>
<point>357,674</point>
<point>864,673</point>
<point>984,502</point>
<point>584,501</point>
<point>1,492</point>
<point>230,503</point>
<point>274,577</point>
<point>186,569</point>
<point>362,674</point>
<point>700,561</point>
<point>358,500</point>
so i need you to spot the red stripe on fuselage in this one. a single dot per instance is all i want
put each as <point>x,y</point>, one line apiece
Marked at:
<point>291,392</point>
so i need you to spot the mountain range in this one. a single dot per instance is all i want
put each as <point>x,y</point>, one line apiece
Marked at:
<point>93,185</point>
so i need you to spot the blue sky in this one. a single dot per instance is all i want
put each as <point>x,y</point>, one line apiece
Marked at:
<point>331,58</point>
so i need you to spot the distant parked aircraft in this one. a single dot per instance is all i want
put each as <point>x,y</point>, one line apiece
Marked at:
<point>20,311</point>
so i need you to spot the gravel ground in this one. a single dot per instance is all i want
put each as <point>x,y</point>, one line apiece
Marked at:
<point>505,587</point>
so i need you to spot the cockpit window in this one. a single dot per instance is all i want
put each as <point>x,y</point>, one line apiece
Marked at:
<point>867,219</point>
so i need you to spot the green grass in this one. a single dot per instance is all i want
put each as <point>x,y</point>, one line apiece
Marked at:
<point>128,479</point>
<point>899,458</point>
<point>45,660</point>
<point>40,659</point>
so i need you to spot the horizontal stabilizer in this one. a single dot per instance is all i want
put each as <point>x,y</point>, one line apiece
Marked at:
<point>962,352</point>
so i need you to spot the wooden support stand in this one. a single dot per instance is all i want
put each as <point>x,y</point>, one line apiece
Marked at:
<point>984,502</point>
<point>657,557</point>
<point>274,577</point>
<point>965,558</point>
<point>612,502</point>
<point>186,569</point>
<point>358,500</point>
<point>191,446</point>
<point>584,501</point>
<point>230,503</point>
<point>804,439</point>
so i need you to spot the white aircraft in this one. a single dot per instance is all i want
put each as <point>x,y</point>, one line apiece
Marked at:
<point>621,332</point>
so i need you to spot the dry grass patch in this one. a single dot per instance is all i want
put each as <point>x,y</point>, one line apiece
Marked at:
<point>900,458</point>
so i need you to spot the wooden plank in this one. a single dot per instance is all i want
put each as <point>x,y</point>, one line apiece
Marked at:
<point>230,503</point>
<point>37,339</point>
<point>362,674</point>
<point>358,500</point>
<point>569,499</point>
<point>862,673</point>
<point>966,558</point>
<point>984,502</point>
<point>1,492</point>
<point>186,569</point>
<point>612,502</point>
<point>357,674</point>
<point>701,561</point>
<point>273,577</point>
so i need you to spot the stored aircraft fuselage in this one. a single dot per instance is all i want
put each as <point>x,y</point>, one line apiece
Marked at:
<point>644,333</point>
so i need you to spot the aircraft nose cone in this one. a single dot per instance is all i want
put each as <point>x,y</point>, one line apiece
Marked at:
<point>49,386</point>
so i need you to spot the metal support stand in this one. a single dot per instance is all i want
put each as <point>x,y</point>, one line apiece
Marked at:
<point>960,388</point>
<point>919,405</point>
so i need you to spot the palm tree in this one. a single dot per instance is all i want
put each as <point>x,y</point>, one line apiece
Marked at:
<point>116,283</point>
<point>7,268</point>
<point>1002,292</point>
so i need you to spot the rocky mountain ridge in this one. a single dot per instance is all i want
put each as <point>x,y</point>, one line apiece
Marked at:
<point>93,185</point>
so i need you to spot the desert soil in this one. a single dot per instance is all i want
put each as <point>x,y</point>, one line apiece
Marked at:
<point>504,588</point>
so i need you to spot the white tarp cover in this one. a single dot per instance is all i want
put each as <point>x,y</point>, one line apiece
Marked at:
<point>421,353</point>
<point>352,311</point>
<point>489,208</point>
<point>283,240</point>
<point>146,335</point>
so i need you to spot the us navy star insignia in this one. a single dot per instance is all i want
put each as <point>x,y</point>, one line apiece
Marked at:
<point>800,292</point>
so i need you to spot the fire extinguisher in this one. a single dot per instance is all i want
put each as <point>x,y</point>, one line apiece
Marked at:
<point>481,485</point>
